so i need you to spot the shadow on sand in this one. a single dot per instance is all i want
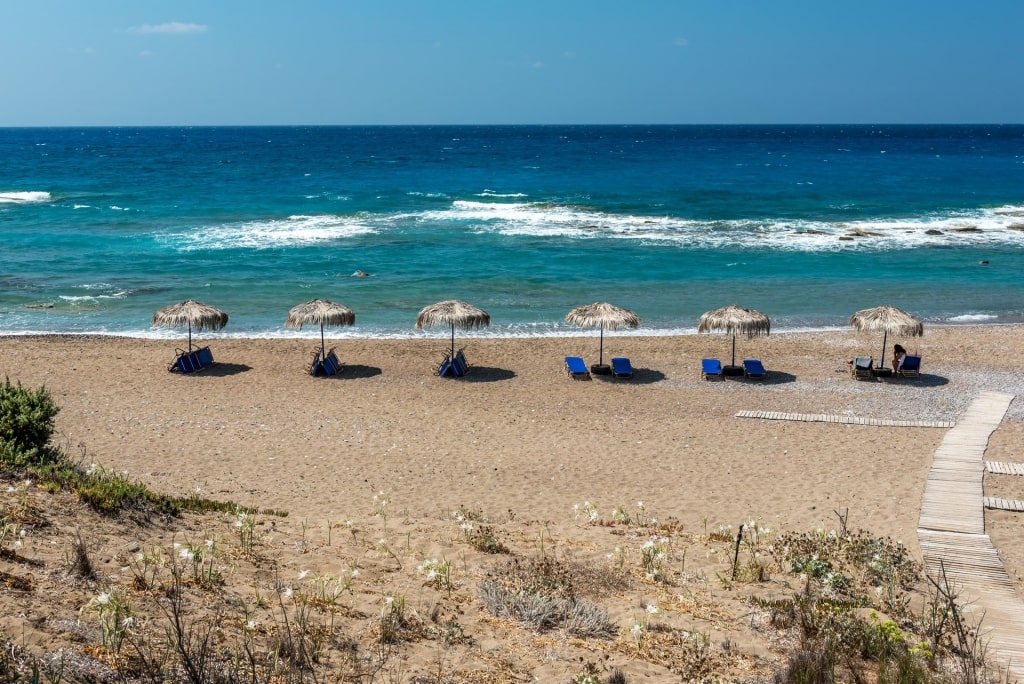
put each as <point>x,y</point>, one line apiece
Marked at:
<point>774,378</point>
<point>925,380</point>
<point>222,370</point>
<point>641,376</point>
<point>354,371</point>
<point>487,374</point>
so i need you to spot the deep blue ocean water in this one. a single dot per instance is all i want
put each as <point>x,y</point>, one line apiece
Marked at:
<point>101,227</point>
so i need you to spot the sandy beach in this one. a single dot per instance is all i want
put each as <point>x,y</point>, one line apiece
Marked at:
<point>517,433</point>
<point>519,440</point>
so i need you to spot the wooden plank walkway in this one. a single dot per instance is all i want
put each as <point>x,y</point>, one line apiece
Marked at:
<point>952,530</point>
<point>997,468</point>
<point>846,420</point>
<point>1004,504</point>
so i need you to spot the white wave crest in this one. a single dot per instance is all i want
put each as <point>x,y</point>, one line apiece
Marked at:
<point>33,197</point>
<point>79,299</point>
<point>976,228</point>
<point>493,193</point>
<point>293,231</point>
<point>973,318</point>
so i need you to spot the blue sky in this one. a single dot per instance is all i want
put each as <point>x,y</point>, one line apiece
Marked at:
<point>190,62</point>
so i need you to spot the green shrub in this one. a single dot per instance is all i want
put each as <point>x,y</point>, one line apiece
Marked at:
<point>26,424</point>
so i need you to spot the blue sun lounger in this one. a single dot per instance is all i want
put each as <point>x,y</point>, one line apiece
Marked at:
<point>189,362</point>
<point>711,368</point>
<point>860,368</point>
<point>754,369</point>
<point>911,367</point>
<point>455,367</point>
<point>621,367</point>
<point>330,364</point>
<point>576,368</point>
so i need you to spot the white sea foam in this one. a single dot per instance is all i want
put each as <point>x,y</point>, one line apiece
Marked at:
<point>973,318</point>
<point>33,197</point>
<point>79,299</point>
<point>493,193</point>
<point>979,228</point>
<point>295,230</point>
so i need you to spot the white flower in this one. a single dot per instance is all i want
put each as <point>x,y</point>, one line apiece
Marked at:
<point>103,599</point>
<point>287,593</point>
<point>640,505</point>
<point>127,622</point>
<point>209,543</point>
<point>652,609</point>
<point>355,573</point>
<point>302,574</point>
<point>250,625</point>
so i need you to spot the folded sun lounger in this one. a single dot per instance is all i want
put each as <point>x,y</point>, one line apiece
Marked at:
<point>455,367</point>
<point>577,368</point>
<point>189,362</point>
<point>711,368</point>
<point>754,369</point>
<point>331,365</point>
<point>621,367</point>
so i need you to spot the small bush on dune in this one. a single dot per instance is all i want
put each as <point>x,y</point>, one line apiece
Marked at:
<point>26,424</point>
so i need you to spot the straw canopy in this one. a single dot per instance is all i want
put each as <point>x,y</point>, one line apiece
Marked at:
<point>454,313</point>
<point>192,314</point>
<point>888,320</point>
<point>735,319</point>
<point>602,315</point>
<point>322,312</point>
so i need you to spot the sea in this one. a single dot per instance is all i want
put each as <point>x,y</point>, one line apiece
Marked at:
<point>101,227</point>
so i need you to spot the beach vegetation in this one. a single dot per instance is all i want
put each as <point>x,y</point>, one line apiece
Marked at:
<point>26,425</point>
<point>212,604</point>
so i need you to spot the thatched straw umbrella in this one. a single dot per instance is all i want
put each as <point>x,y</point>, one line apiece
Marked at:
<point>602,315</point>
<point>735,319</point>
<point>319,311</point>
<point>453,313</point>
<point>888,319</point>
<point>192,314</point>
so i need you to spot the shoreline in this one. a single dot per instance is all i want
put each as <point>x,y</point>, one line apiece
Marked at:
<point>331,333</point>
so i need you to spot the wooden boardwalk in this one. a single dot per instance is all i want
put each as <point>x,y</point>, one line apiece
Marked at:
<point>846,420</point>
<point>998,468</point>
<point>952,530</point>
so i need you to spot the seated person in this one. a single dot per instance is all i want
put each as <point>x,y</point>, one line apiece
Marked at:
<point>898,355</point>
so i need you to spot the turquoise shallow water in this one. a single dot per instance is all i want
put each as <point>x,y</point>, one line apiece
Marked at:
<point>99,228</point>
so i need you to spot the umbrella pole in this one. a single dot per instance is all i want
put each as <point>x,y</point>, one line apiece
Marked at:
<point>885,338</point>
<point>452,357</point>
<point>189,338</point>
<point>734,349</point>
<point>323,347</point>
<point>600,354</point>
